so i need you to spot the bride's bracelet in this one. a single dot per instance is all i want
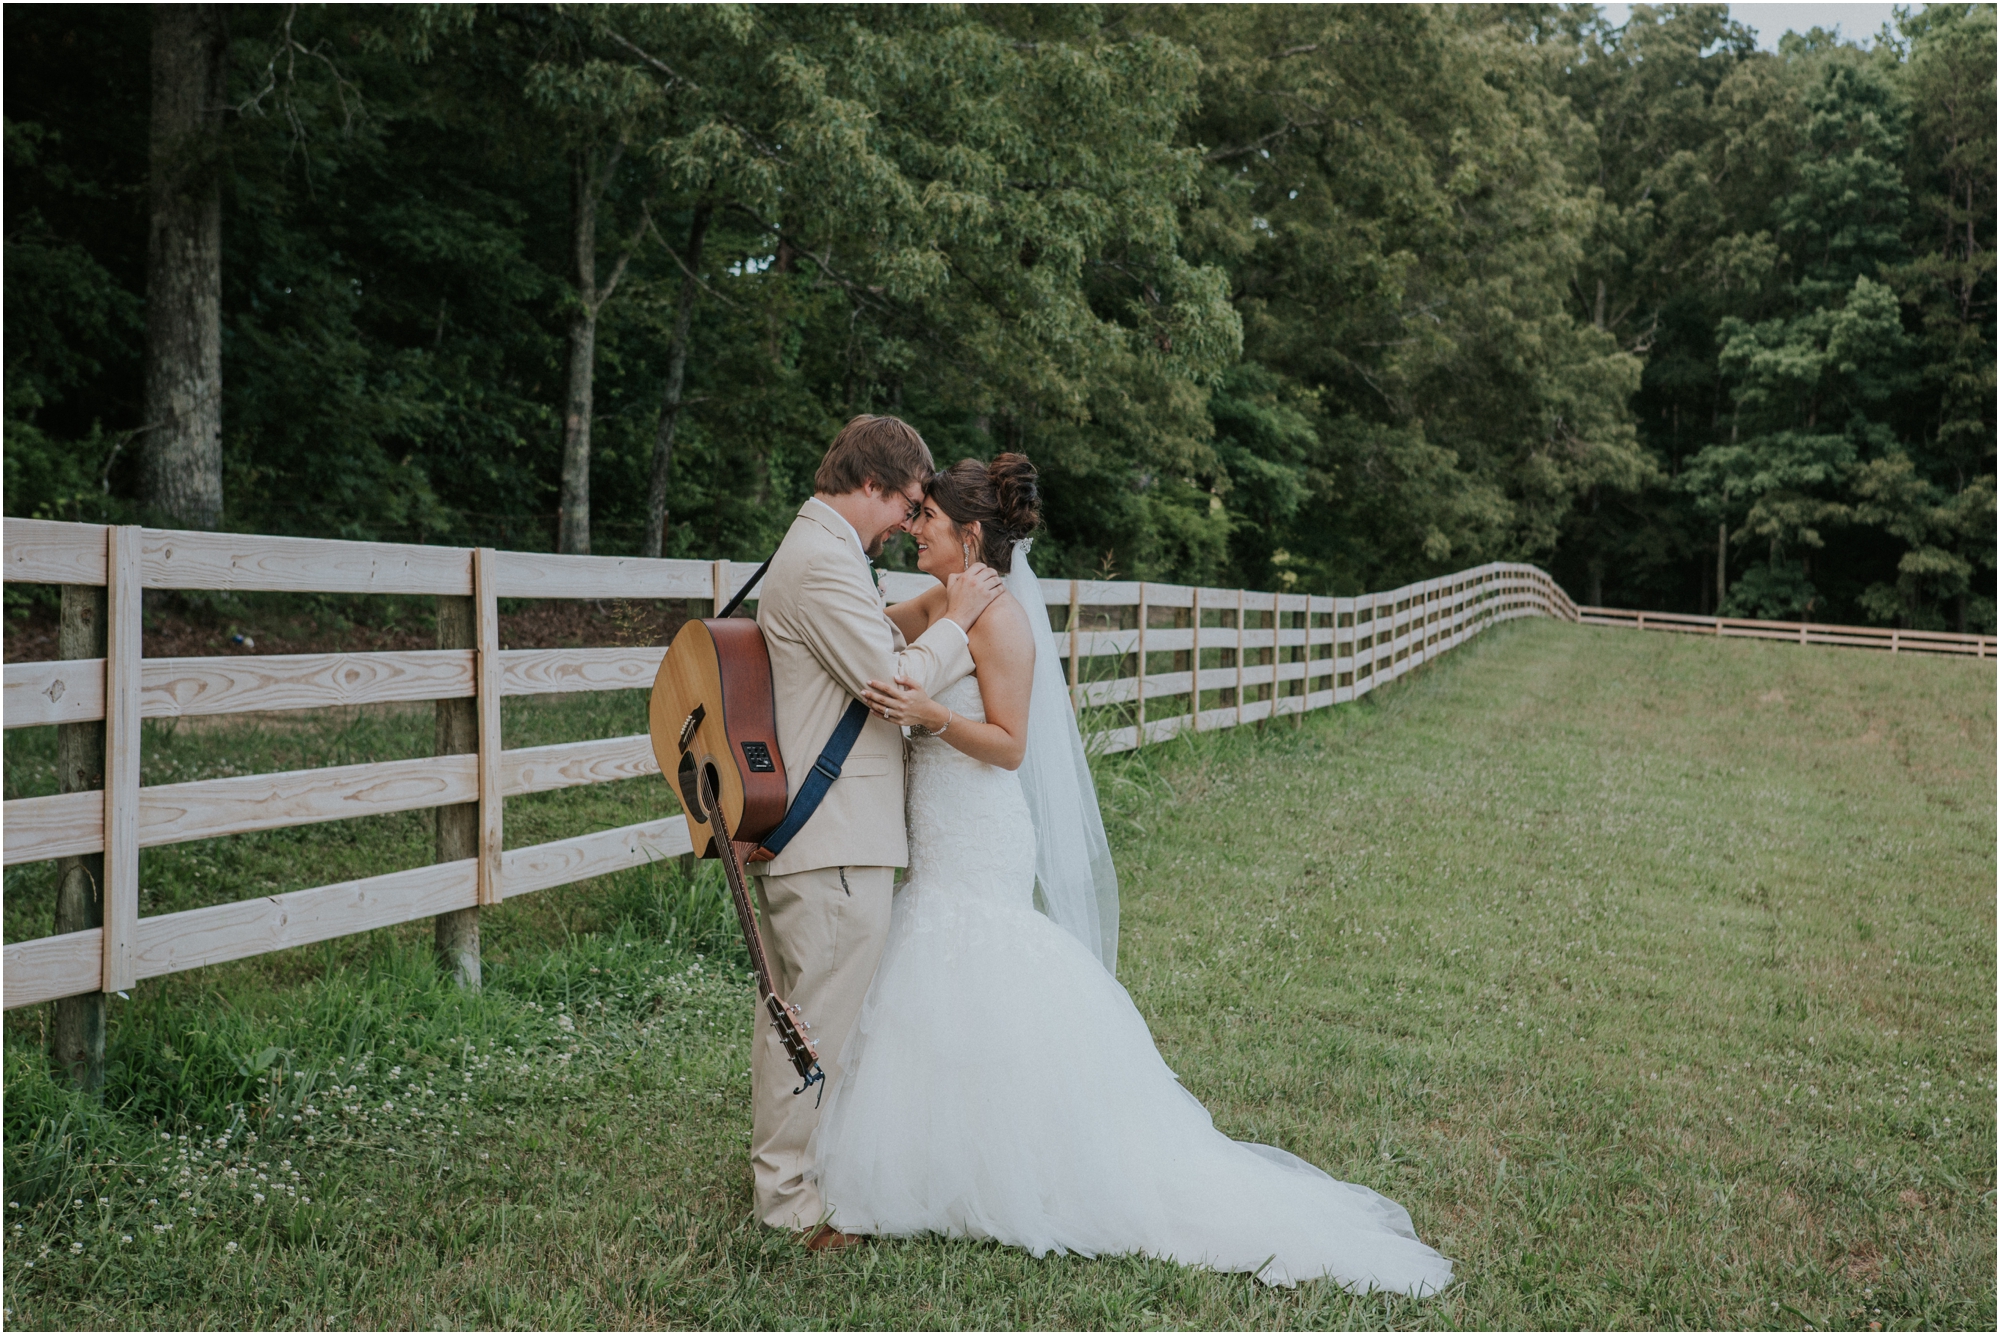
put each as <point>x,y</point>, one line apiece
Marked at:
<point>919,730</point>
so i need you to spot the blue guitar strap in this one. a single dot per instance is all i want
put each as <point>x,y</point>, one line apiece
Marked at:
<point>824,771</point>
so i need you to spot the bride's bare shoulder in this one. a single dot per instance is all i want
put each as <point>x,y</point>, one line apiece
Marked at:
<point>1002,634</point>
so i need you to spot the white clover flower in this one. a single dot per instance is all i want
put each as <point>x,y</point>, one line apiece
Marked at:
<point>230,1247</point>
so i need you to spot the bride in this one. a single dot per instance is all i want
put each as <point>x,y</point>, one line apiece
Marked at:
<point>999,1082</point>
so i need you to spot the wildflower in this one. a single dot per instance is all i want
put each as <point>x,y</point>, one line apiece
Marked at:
<point>257,1197</point>
<point>230,1247</point>
<point>104,1200</point>
<point>125,1237</point>
<point>76,1249</point>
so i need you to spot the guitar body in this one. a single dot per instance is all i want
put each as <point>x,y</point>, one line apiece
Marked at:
<point>718,673</point>
<point>714,723</point>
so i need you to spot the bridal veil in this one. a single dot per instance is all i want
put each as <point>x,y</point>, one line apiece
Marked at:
<point>1076,883</point>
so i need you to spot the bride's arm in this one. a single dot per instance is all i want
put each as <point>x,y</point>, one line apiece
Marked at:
<point>1004,648</point>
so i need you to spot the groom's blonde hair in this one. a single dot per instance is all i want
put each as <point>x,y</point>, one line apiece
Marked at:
<point>884,450</point>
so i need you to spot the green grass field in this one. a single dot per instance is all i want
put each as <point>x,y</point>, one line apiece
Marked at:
<point>1654,975</point>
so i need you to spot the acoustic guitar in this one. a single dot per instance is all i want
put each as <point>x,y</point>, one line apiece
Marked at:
<point>713,720</point>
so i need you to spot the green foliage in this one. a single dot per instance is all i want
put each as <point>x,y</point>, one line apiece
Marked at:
<point>1748,197</point>
<point>1323,298</point>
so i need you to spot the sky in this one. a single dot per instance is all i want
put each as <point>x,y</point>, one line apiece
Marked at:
<point>1856,22</point>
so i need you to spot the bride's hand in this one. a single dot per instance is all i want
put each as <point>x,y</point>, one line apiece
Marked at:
<point>904,703</point>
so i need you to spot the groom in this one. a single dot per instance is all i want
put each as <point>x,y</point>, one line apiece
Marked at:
<point>825,898</point>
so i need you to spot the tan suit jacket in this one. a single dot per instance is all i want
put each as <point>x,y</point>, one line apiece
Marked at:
<point>828,637</point>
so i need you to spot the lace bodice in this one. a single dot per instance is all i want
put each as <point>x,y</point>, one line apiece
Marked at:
<point>969,826</point>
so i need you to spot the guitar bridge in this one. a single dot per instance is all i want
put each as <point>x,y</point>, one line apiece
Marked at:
<point>693,722</point>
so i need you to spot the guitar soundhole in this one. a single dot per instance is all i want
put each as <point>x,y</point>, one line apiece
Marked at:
<point>690,790</point>
<point>758,756</point>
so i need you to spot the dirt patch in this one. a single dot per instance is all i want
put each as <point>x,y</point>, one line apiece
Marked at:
<point>1863,1263</point>
<point>555,624</point>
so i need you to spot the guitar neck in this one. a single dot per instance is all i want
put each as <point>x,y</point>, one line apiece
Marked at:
<point>790,1025</point>
<point>746,908</point>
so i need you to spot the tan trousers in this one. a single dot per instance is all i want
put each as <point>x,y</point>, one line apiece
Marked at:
<point>824,931</point>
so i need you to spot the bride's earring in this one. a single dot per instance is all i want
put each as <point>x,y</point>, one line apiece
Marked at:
<point>965,550</point>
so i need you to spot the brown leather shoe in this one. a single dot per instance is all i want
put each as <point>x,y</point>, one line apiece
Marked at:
<point>827,1238</point>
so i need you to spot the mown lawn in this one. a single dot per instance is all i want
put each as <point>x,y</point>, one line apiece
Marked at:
<point>1656,977</point>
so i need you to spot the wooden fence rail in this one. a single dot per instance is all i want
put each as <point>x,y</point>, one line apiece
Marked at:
<point>1885,638</point>
<point>1146,661</point>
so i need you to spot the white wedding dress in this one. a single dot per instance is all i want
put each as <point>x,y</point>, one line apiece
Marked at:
<point>1000,1084</point>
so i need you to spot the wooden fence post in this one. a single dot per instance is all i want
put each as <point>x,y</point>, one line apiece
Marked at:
<point>1194,666</point>
<point>486,682</point>
<point>124,631</point>
<point>718,576</point>
<point>76,1031</point>
<point>459,827</point>
<point>1239,659</point>
<point>1076,705</point>
<point>1140,693</point>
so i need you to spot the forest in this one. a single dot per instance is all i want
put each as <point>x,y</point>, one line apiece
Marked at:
<point>1320,298</point>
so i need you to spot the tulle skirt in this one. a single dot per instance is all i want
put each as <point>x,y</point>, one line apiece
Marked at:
<point>1000,1084</point>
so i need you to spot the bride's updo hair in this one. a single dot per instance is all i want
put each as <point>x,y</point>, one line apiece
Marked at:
<point>1001,497</point>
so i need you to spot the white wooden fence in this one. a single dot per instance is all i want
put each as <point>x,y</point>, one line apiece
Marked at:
<point>1154,658</point>
<point>1888,639</point>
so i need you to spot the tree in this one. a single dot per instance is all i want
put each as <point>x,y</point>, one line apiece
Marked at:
<point>1390,191</point>
<point>1318,298</point>
<point>182,430</point>
<point>1804,391</point>
<point>1937,495</point>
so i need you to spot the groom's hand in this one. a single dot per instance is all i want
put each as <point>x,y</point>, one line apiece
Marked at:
<point>968,594</point>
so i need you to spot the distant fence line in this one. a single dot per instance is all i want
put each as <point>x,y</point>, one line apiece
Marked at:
<point>1888,639</point>
<point>1148,660</point>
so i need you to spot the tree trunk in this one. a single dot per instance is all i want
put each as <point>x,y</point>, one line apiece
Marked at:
<point>1721,564</point>
<point>76,1034</point>
<point>670,407</point>
<point>181,457</point>
<point>1595,597</point>
<point>587,187</point>
<point>457,933</point>
<point>573,523</point>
